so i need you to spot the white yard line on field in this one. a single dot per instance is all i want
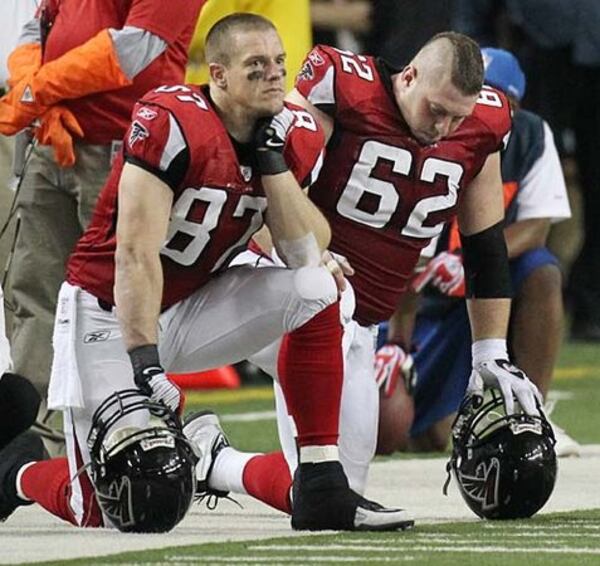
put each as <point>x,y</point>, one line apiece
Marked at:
<point>32,535</point>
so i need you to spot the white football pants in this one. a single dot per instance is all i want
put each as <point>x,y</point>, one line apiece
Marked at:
<point>360,396</point>
<point>233,316</point>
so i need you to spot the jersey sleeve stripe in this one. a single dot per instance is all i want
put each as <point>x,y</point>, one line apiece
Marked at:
<point>323,93</point>
<point>312,176</point>
<point>174,146</point>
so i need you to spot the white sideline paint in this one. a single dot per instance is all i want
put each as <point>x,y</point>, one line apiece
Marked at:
<point>273,560</point>
<point>411,547</point>
<point>32,535</point>
<point>249,417</point>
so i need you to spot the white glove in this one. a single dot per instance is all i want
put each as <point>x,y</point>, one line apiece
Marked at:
<point>391,363</point>
<point>151,380</point>
<point>164,391</point>
<point>511,381</point>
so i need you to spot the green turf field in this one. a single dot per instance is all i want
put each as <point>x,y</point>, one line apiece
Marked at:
<point>571,538</point>
<point>577,381</point>
<point>561,538</point>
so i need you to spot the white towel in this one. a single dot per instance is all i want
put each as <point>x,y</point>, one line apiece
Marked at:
<point>5,359</point>
<point>64,390</point>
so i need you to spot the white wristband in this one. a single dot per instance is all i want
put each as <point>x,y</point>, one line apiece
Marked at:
<point>489,349</point>
<point>301,252</point>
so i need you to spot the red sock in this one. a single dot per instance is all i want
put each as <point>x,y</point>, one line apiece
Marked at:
<point>310,368</point>
<point>48,484</point>
<point>267,477</point>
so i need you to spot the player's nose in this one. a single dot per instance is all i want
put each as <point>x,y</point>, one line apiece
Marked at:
<point>443,125</point>
<point>274,71</point>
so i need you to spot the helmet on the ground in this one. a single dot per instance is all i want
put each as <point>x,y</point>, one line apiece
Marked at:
<point>505,465</point>
<point>143,467</point>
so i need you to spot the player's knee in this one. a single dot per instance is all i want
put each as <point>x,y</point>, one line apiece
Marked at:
<point>396,414</point>
<point>315,284</point>
<point>544,282</point>
<point>313,291</point>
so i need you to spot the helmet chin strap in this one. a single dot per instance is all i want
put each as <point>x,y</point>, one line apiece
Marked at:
<point>448,477</point>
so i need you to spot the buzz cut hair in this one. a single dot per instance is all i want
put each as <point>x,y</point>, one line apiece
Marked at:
<point>217,46</point>
<point>467,62</point>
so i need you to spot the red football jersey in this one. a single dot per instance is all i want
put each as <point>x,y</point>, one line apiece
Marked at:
<point>218,203</point>
<point>384,194</point>
<point>105,116</point>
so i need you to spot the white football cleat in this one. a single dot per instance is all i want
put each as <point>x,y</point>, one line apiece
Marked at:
<point>207,438</point>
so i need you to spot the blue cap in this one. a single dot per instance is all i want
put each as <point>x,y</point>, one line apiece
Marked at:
<point>502,71</point>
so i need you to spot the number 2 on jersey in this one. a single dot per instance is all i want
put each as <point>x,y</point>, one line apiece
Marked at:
<point>361,182</point>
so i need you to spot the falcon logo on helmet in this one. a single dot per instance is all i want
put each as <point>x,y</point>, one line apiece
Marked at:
<point>483,486</point>
<point>504,464</point>
<point>117,503</point>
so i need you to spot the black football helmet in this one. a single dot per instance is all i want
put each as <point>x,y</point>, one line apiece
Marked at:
<point>505,465</point>
<point>144,477</point>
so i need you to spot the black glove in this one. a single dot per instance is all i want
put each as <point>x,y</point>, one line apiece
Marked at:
<point>269,140</point>
<point>150,377</point>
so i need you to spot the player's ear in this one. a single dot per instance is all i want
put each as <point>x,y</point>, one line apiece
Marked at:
<point>408,74</point>
<point>218,74</point>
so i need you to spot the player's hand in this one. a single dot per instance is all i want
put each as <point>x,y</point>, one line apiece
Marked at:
<point>270,136</point>
<point>511,381</point>
<point>57,127</point>
<point>445,272</point>
<point>151,379</point>
<point>339,266</point>
<point>391,364</point>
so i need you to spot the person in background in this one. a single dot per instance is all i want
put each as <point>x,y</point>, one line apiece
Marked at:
<point>535,197</point>
<point>15,14</point>
<point>558,44</point>
<point>19,400</point>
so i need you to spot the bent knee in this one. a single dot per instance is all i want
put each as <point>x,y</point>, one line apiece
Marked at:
<point>315,284</point>
<point>396,415</point>
<point>314,289</point>
<point>544,281</point>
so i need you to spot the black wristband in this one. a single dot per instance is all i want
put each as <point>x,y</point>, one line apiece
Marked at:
<point>487,275</point>
<point>143,357</point>
<point>270,162</point>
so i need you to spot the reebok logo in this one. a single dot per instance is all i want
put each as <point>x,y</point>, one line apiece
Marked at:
<point>99,336</point>
<point>147,113</point>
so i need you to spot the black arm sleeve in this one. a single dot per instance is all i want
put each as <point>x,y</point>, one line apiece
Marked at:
<point>487,275</point>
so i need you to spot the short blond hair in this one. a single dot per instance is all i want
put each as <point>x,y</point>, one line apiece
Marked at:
<point>217,46</point>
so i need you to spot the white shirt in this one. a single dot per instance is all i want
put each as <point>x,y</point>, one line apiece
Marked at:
<point>542,193</point>
<point>14,14</point>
